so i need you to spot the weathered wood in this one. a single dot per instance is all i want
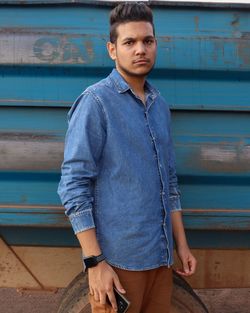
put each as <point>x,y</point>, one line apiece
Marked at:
<point>221,269</point>
<point>13,273</point>
<point>30,155</point>
<point>56,267</point>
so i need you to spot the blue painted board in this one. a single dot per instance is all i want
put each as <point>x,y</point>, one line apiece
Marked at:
<point>50,53</point>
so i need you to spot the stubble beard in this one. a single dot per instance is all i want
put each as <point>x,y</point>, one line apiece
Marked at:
<point>135,74</point>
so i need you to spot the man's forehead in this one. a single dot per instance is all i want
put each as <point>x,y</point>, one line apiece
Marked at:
<point>135,29</point>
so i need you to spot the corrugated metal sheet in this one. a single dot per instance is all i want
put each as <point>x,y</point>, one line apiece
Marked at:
<point>50,53</point>
<point>204,3</point>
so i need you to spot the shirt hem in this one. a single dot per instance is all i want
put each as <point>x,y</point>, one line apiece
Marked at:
<point>147,268</point>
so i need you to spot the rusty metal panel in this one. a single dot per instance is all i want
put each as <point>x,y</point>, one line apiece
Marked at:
<point>38,268</point>
<point>221,269</point>
<point>45,268</point>
<point>12,270</point>
<point>49,52</point>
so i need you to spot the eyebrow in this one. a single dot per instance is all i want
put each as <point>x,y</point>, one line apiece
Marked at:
<point>133,38</point>
<point>128,38</point>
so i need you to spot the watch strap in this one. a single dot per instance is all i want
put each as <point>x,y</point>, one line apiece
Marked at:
<point>100,258</point>
<point>92,261</point>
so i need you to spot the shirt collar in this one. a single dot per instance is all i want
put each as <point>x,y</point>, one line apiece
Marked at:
<point>122,86</point>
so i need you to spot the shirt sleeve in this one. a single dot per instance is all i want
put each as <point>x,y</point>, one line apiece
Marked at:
<point>174,191</point>
<point>84,143</point>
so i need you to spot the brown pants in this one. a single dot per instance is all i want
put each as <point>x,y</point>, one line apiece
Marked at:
<point>148,291</point>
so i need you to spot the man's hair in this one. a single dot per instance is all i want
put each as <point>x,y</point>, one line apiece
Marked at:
<point>129,12</point>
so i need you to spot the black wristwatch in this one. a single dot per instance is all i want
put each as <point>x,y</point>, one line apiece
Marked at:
<point>92,261</point>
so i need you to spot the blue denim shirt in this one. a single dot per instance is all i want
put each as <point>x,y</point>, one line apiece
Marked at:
<point>118,173</point>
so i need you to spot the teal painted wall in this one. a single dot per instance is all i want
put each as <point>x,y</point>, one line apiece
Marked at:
<point>50,53</point>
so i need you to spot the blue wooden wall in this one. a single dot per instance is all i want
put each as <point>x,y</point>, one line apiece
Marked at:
<point>50,53</point>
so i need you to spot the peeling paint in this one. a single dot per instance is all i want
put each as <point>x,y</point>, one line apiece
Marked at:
<point>197,21</point>
<point>29,136</point>
<point>236,21</point>
<point>30,155</point>
<point>217,154</point>
<point>244,51</point>
<point>225,159</point>
<point>17,47</point>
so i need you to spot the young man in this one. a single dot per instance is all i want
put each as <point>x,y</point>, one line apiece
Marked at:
<point>119,184</point>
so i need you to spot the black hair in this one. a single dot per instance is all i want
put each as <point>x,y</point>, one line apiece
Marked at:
<point>129,12</point>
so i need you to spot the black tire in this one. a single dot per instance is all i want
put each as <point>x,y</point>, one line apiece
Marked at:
<point>184,299</point>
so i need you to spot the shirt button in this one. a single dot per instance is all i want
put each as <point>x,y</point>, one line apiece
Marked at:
<point>163,193</point>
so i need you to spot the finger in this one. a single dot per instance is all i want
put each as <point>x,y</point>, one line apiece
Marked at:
<point>185,266</point>
<point>102,298</point>
<point>96,296</point>
<point>181,272</point>
<point>192,266</point>
<point>91,292</point>
<point>118,285</point>
<point>112,299</point>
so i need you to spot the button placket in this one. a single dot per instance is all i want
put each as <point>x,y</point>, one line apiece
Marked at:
<point>159,166</point>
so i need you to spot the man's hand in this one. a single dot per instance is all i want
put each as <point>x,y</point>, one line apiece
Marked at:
<point>186,257</point>
<point>188,261</point>
<point>102,280</point>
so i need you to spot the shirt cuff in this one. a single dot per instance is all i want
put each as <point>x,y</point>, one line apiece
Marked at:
<point>175,203</point>
<point>82,221</point>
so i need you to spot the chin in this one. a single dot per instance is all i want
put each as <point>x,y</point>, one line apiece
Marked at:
<point>142,72</point>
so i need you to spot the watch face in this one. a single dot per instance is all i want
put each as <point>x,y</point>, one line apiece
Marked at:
<point>90,262</point>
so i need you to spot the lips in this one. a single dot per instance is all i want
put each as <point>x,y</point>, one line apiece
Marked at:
<point>141,61</point>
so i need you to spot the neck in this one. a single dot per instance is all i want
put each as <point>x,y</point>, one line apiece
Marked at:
<point>136,83</point>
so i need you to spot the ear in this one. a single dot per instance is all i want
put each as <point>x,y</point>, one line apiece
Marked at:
<point>111,50</point>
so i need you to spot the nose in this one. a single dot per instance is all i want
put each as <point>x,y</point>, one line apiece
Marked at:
<point>140,48</point>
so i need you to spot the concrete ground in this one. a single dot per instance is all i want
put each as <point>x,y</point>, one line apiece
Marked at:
<point>216,300</point>
<point>226,300</point>
<point>12,301</point>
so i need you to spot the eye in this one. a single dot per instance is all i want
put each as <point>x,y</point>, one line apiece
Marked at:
<point>149,42</point>
<point>128,43</point>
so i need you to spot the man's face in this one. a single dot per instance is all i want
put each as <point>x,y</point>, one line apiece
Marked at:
<point>135,49</point>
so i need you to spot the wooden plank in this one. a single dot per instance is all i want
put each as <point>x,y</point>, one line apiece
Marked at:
<point>53,267</point>
<point>33,217</point>
<point>49,63</point>
<point>217,219</point>
<point>53,216</point>
<point>30,155</point>
<point>221,269</point>
<point>38,46</point>
<point>56,267</point>
<point>13,273</point>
